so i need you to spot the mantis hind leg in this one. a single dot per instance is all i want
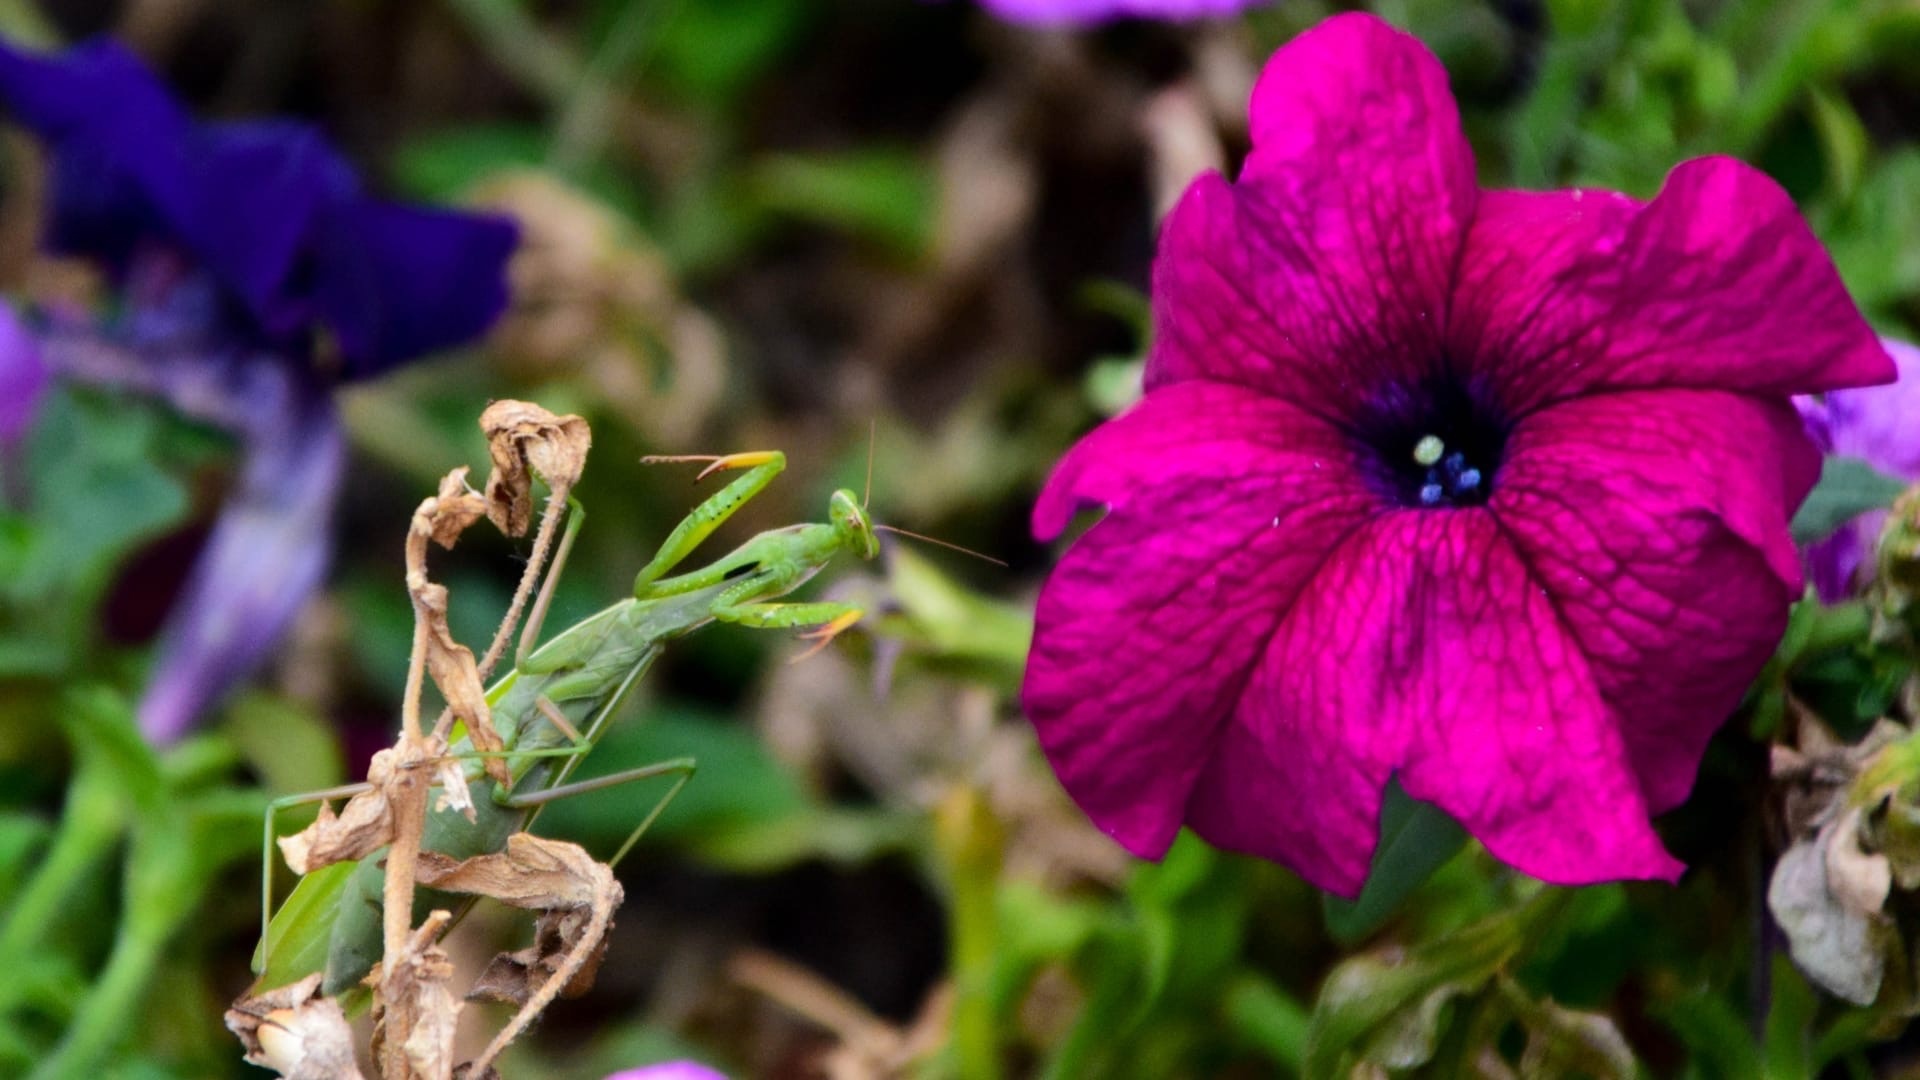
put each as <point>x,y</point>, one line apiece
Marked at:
<point>268,835</point>
<point>762,467</point>
<point>683,768</point>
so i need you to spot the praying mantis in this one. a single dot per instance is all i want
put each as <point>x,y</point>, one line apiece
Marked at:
<point>550,709</point>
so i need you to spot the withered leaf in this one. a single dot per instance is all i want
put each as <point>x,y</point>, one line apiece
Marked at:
<point>576,896</point>
<point>454,792</point>
<point>296,1032</point>
<point>532,873</point>
<point>453,510</point>
<point>1835,943</point>
<point>457,674</point>
<point>414,1032</point>
<point>1859,879</point>
<point>525,440</point>
<point>364,825</point>
<point>511,978</point>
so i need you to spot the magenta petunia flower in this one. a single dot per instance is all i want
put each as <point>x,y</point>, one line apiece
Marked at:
<point>1878,426</point>
<point>1085,12</point>
<point>1485,490</point>
<point>671,1070</point>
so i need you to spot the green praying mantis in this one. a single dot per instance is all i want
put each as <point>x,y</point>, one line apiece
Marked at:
<point>550,709</point>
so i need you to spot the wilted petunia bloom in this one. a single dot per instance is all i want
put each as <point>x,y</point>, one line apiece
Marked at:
<point>1878,426</point>
<point>1082,12</point>
<point>1485,490</point>
<point>254,273</point>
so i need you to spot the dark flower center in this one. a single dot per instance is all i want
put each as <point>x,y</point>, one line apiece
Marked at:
<point>1437,443</point>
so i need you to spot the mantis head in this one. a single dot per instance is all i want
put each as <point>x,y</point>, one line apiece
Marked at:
<point>852,526</point>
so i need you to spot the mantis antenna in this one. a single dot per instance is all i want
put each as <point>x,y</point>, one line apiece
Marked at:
<point>873,433</point>
<point>942,543</point>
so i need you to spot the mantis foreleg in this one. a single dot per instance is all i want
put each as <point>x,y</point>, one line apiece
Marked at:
<point>762,466</point>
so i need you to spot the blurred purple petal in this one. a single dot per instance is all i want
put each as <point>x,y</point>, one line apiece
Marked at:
<point>1083,12</point>
<point>671,1070</point>
<point>23,376</point>
<point>266,556</point>
<point>1877,425</point>
<point>269,209</point>
<point>397,281</point>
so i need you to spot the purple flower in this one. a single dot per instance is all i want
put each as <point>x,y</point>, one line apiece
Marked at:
<point>1082,12</point>
<point>1485,490</point>
<point>23,376</point>
<point>266,209</point>
<point>671,1070</point>
<point>1876,425</point>
<point>254,273</point>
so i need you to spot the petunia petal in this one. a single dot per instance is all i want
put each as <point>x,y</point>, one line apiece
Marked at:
<point>266,556</point>
<point>1084,12</point>
<point>23,376</point>
<point>395,282</point>
<point>670,1070</point>
<point>1426,648</point>
<point>1222,502</point>
<point>1657,521</point>
<point>268,209</point>
<point>1715,284</point>
<point>1328,267</point>
<point>1876,424</point>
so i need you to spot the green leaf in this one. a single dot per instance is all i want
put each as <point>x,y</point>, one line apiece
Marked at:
<point>1714,1032</point>
<point>21,837</point>
<point>1415,840</point>
<point>1263,1015</point>
<point>739,782</point>
<point>1389,1007</point>
<point>292,749</point>
<point>884,196</point>
<point>298,937</point>
<point>97,493</point>
<point>714,49</point>
<point>444,165</point>
<point>1848,487</point>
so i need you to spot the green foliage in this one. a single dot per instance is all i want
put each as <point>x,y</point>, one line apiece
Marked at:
<point>1848,487</point>
<point>794,175</point>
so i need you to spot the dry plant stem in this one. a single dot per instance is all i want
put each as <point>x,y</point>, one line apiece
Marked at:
<point>408,798</point>
<point>809,996</point>
<point>542,544</point>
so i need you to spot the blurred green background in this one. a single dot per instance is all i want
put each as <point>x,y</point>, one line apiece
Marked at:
<point>784,224</point>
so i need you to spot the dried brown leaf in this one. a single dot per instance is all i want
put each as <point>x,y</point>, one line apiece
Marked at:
<point>296,1032</point>
<point>532,873</point>
<point>1857,878</point>
<point>513,978</point>
<point>413,1034</point>
<point>525,440</point>
<point>457,674</point>
<point>576,896</point>
<point>364,825</point>
<point>454,792</point>
<point>453,510</point>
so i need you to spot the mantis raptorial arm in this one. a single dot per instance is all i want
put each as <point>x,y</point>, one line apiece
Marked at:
<point>762,466</point>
